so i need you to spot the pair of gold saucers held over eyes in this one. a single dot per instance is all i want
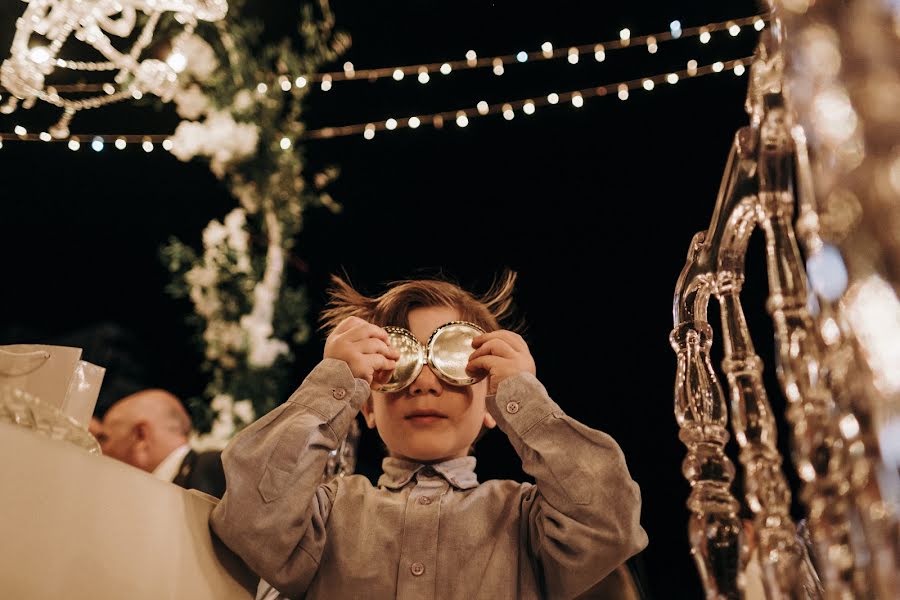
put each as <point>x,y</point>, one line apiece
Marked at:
<point>447,353</point>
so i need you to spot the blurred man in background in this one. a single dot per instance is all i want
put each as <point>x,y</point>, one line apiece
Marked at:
<point>150,430</point>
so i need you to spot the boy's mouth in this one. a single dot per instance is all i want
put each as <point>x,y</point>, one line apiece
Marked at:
<point>424,416</point>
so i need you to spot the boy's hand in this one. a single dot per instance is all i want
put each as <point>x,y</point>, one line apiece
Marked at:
<point>500,354</point>
<point>365,349</point>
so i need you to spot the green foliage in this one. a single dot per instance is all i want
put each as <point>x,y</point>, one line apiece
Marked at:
<point>272,182</point>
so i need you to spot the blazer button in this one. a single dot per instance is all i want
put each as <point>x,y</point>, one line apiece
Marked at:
<point>339,393</point>
<point>512,407</point>
<point>424,500</point>
<point>417,568</point>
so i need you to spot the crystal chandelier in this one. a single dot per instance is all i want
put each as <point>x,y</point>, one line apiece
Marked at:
<point>818,171</point>
<point>46,26</point>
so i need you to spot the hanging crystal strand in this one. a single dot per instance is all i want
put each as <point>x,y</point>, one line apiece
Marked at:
<point>786,572</point>
<point>61,129</point>
<point>844,373</point>
<point>819,452</point>
<point>10,106</point>
<point>714,528</point>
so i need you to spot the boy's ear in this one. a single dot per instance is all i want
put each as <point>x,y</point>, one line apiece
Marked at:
<point>368,412</point>
<point>489,421</point>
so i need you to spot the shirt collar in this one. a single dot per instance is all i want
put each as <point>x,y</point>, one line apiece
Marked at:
<point>167,470</point>
<point>459,472</point>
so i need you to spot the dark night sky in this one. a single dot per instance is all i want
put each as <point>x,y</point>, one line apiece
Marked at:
<point>593,207</point>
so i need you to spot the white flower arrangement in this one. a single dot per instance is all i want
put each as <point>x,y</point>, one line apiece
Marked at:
<point>244,308</point>
<point>219,137</point>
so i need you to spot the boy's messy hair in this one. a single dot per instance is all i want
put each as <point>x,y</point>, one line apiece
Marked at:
<point>393,306</point>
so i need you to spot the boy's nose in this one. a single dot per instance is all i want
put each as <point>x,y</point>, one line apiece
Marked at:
<point>426,383</point>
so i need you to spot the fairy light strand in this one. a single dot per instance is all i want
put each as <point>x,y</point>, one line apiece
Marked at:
<point>461,116</point>
<point>508,109</point>
<point>422,72</point>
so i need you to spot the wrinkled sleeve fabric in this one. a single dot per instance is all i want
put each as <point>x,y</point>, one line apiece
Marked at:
<point>582,518</point>
<point>275,509</point>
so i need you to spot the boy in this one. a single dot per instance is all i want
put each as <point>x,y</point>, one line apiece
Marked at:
<point>429,529</point>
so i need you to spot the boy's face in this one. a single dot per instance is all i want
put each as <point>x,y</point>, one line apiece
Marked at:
<point>430,420</point>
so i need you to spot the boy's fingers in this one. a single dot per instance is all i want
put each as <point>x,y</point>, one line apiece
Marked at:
<point>484,363</point>
<point>347,324</point>
<point>376,346</point>
<point>513,339</point>
<point>365,330</point>
<point>496,347</point>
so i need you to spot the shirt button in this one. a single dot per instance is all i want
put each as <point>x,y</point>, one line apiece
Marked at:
<point>339,393</point>
<point>512,407</point>
<point>417,568</point>
<point>424,500</point>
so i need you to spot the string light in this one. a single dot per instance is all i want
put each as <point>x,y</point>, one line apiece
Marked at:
<point>498,67</point>
<point>46,137</point>
<point>285,143</point>
<point>97,144</point>
<point>424,77</point>
<point>398,75</point>
<point>262,88</point>
<point>733,29</point>
<point>285,84</point>
<point>471,61</point>
<point>573,56</point>
<point>462,116</point>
